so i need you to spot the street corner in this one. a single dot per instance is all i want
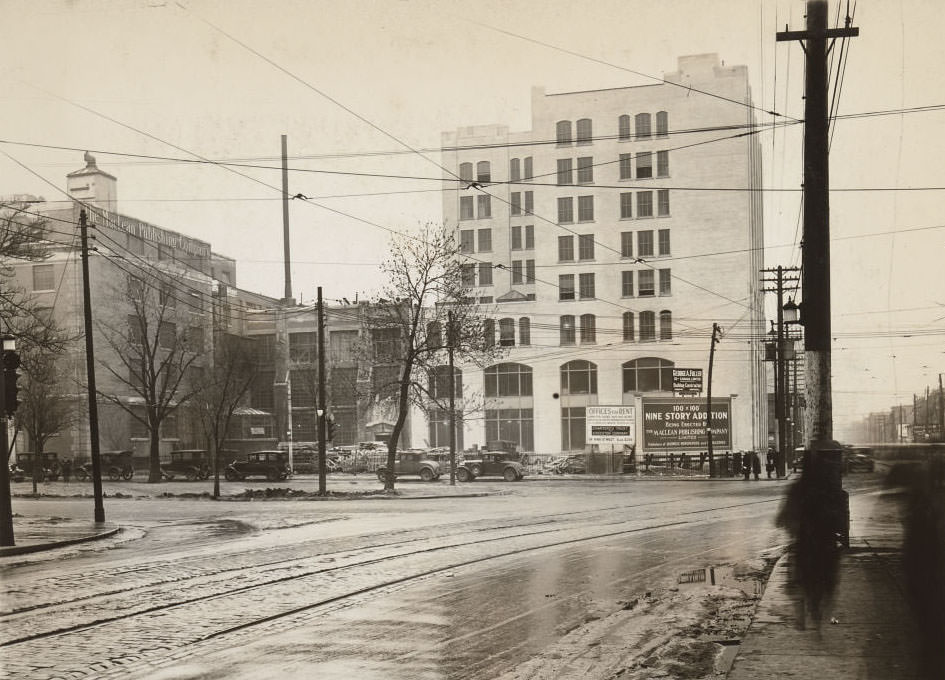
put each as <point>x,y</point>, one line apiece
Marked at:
<point>36,534</point>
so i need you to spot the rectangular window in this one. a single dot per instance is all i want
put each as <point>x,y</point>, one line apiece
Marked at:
<point>585,208</point>
<point>566,330</point>
<point>588,328</point>
<point>663,198</point>
<point>664,242</point>
<point>566,287</point>
<point>626,205</point>
<point>515,167</point>
<point>516,238</point>
<point>626,166</point>
<point>626,284</point>
<point>529,202</point>
<point>466,208</point>
<point>485,240</point>
<point>565,210</point>
<point>644,165</point>
<point>586,286</point>
<point>516,201</point>
<point>584,131</point>
<point>645,243</point>
<point>516,271</point>
<point>484,205</point>
<point>626,244</point>
<point>465,171</point>
<point>530,273</point>
<point>468,275</point>
<point>44,278</point>
<point>485,273</point>
<point>665,285</point>
<point>467,240</point>
<point>167,334</point>
<point>586,247</point>
<point>529,236</point>
<point>483,172</point>
<point>565,174</point>
<point>646,283</point>
<point>528,167</point>
<point>585,169</point>
<point>662,163</point>
<point>565,248</point>
<point>644,204</point>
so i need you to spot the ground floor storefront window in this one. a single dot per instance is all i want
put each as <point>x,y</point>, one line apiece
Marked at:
<point>511,424</point>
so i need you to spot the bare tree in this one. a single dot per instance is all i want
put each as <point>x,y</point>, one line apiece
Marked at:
<point>152,350</point>
<point>407,324</point>
<point>222,389</point>
<point>44,409</point>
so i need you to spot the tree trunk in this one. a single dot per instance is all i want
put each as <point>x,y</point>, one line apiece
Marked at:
<point>403,406</point>
<point>154,473</point>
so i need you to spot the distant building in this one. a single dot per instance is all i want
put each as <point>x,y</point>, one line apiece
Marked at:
<point>604,243</point>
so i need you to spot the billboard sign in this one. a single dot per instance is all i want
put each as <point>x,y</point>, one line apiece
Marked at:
<point>611,424</point>
<point>679,424</point>
<point>687,381</point>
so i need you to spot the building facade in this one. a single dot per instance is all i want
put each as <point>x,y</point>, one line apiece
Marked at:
<point>604,243</point>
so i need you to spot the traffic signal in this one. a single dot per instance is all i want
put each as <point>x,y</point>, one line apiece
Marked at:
<point>11,362</point>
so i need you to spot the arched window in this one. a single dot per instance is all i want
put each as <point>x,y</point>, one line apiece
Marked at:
<point>434,335</point>
<point>563,131</point>
<point>588,328</point>
<point>507,332</point>
<point>628,327</point>
<point>647,326</point>
<point>508,380</point>
<point>488,332</point>
<point>483,172</point>
<point>623,127</point>
<point>465,171</point>
<point>649,374</point>
<point>662,123</point>
<point>643,125</point>
<point>438,383</point>
<point>524,331</point>
<point>584,131</point>
<point>579,377</point>
<point>666,325</point>
<point>515,170</point>
<point>567,329</point>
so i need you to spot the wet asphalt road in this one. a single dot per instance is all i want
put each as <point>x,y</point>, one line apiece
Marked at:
<point>423,588</point>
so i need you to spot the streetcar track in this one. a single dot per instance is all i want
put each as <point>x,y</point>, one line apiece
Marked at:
<point>348,595</point>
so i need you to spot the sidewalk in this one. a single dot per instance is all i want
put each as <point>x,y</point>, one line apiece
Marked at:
<point>867,630</point>
<point>34,535</point>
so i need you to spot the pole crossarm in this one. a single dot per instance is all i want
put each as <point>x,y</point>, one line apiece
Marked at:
<point>786,35</point>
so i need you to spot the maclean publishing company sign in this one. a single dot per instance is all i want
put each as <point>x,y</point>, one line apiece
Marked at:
<point>679,424</point>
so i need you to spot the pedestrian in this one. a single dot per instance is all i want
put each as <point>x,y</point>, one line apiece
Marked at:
<point>755,464</point>
<point>746,465</point>
<point>66,469</point>
<point>672,460</point>
<point>770,462</point>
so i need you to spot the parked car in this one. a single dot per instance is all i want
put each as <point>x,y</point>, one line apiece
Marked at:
<point>273,465</point>
<point>491,463</point>
<point>115,464</point>
<point>856,459</point>
<point>412,463</point>
<point>193,464</point>
<point>23,468</point>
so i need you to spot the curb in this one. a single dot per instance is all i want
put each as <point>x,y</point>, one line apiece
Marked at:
<point>39,547</point>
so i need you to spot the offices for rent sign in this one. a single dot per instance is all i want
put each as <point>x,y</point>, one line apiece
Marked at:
<point>611,424</point>
<point>679,424</point>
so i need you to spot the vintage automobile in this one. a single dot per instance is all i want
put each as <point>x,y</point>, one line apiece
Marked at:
<point>23,468</point>
<point>116,464</point>
<point>193,464</point>
<point>273,465</point>
<point>491,463</point>
<point>858,459</point>
<point>412,463</point>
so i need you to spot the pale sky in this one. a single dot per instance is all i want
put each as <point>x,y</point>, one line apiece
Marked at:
<point>146,76</point>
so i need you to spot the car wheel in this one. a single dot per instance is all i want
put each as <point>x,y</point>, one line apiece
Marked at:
<point>426,474</point>
<point>510,474</point>
<point>231,475</point>
<point>128,474</point>
<point>114,474</point>
<point>191,475</point>
<point>463,475</point>
<point>476,471</point>
<point>382,476</point>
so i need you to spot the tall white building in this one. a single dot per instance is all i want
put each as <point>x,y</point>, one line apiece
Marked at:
<point>605,242</point>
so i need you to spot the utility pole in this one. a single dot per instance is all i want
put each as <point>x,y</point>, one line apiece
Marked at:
<point>6,503</point>
<point>780,359</point>
<point>716,329</point>
<point>285,221</point>
<point>322,405</point>
<point>816,240</point>
<point>90,371</point>
<point>452,383</point>
<point>941,410</point>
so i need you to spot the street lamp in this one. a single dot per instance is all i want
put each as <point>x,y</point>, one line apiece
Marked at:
<point>791,312</point>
